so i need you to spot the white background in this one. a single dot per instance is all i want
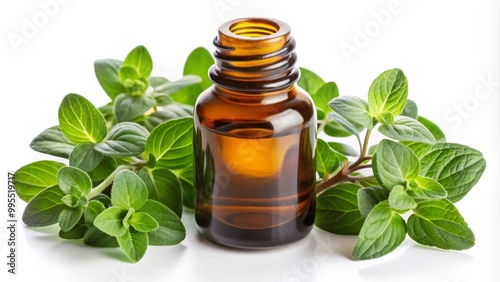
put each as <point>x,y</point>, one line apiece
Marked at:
<point>446,49</point>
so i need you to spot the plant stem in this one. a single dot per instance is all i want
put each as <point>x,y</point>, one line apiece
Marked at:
<point>343,174</point>
<point>105,183</point>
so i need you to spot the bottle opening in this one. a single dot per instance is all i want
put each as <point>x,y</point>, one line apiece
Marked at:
<point>254,28</point>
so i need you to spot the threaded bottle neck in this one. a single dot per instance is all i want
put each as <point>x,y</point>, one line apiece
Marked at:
<point>254,56</point>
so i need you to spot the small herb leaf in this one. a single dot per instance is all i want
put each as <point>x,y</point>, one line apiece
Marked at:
<point>400,200</point>
<point>35,177</point>
<point>53,142</point>
<point>140,59</point>
<point>128,191</point>
<point>164,187</point>
<point>110,221</point>
<point>69,177</point>
<point>354,109</point>
<point>456,167</point>
<point>438,223</point>
<point>369,197</point>
<point>126,139</point>
<point>427,188</point>
<point>433,128</point>
<point>69,217</point>
<point>309,81</point>
<point>410,110</point>
<point>134,244</point>
<point>327,160</point>
<point>128,108</point>
<point>170,231</point>
<point>337,210</point>
<point>143,222</point>
<point>388,93</point>
<point>80,121</point>
<point>407,129</point>
<point>383,231</point>
<point>325,93</point>
<point>94,208</point>
<point>394,164</point>
<point>44,208</point>
<point>85,157</point>
<point>197,63</point>
<point>106,71</point>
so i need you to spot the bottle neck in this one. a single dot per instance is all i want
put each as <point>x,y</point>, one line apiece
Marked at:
<point>254,56</point>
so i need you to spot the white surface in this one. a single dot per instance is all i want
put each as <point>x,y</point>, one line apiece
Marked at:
<point>446,48</point>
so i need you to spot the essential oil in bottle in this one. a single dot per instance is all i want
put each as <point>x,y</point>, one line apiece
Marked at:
<point>255,139</point>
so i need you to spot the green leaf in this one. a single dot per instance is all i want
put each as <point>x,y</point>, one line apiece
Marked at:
<point>344,149</point>
<point>94,208</point>
<point>77,232</point>
<point>383,231</point>
<point>96,238</point>
<point>140,59</point>
<point>186,182</point>
<point>143,222</point>
<point>110,221</point>
<point>400,200</point>
<point>388,93</point>
<point>334,129</point>
<point>427,188</point>
<point>44,208</point>
<point>369,197</point>
<point>327,160</point>
<point>75,198</point>
<point>438,223</point>
<point>80,121</point>
<point>171,231</point>
<point>337,210</point>
<point>106,71</point>
<point>164,187</point>
<point>128,108</point>
<point>353,109</point>
<point>134,244</point>
<point>325,94</point>
<point>171,111</point>
<point>126,139</point>
<point>69,177</point>
<point>394,164</point>
<point>156,81</point>
<point>108,113</point>
<point>35,177</point>
<point>170,87</point>
<point>354,129</point>
<point>53,142</point>
<point>309,81</point>
<point>128,73</point>
<point>197,63</point>
<point>410,110</point>
<point>69,217</point>
<point>85,157</point>
<point>434,129</point>
<point>407,129</point>
<point>456,167</point>
<point>128,191</point>
<point>171,144</point>
<point>104,169</point>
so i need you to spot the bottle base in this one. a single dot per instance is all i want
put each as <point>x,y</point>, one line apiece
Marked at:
<point>255,239</point>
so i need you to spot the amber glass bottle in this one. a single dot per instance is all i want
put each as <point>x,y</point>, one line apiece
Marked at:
<point>255,139</point>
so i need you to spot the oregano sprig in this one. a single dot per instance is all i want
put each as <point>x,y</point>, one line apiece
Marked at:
<point>415,170</point>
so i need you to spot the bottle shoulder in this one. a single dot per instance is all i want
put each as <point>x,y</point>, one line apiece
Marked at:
<point>290,108</point>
